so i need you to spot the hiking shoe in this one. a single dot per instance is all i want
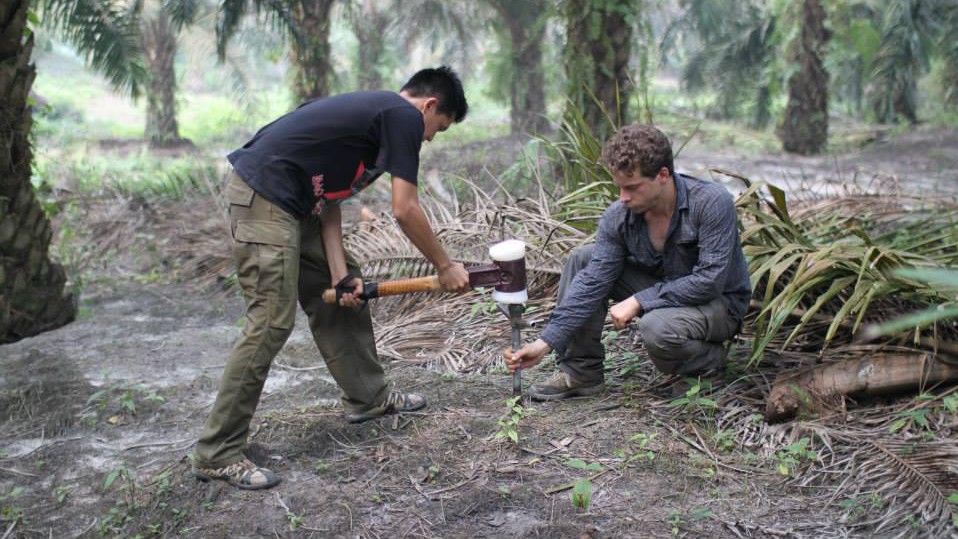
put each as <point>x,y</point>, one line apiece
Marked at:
<point>563,386</point>
<point>243,474</point>
<point>395,403</point>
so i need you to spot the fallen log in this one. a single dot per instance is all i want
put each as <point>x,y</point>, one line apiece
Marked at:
<point>809,390</point>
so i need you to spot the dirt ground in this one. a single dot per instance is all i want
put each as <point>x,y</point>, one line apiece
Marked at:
<point>99,418</point>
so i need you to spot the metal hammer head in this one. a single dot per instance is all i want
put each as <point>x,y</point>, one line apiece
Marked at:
<point>510,256</point>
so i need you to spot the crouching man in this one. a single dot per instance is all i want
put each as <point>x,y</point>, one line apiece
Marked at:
<point>668,252</point>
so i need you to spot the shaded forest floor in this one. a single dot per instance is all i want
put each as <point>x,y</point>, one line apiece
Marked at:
<point>98,420</point>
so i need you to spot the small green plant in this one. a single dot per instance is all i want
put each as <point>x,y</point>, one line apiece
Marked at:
<point>8,511</point>
<point>582,493</point>
<point>122,395</point>
<point>432,473</point>
<point>950,403</point>
<point>582,489</point>
<point>509,423</point>
<point>789,458</point>
<point>505,491</point>
<point>953,499</point>
<point>580,464</point>
<point>61,493</point>
<point>724,441</point>
<point>694,399</point>
<point>908,419</point>
<point>676,521</point>
<point>856,508</point>
<point>294,520</point>
<point>484,306</point>
<point>639,450</point>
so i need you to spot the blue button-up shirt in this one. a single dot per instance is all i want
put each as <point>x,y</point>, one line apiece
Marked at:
<point>702,259</point>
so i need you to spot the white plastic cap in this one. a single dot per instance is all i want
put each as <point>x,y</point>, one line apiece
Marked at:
<point>504,251</point>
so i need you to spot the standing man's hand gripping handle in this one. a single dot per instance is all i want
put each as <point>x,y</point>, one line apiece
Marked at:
<point>332,236</point>
<point>408,213</point>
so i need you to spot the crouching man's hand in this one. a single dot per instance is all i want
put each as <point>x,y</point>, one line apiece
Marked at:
<point>623,312</point>
<point>528,356</point>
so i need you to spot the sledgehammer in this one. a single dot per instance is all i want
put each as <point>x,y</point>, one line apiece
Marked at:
<point>507,274</point>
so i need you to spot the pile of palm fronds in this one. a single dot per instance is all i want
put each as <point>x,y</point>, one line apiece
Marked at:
<point>821,272</point>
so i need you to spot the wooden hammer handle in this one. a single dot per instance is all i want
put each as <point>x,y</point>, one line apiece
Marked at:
<point>405,286</point>
<point>392,288</point>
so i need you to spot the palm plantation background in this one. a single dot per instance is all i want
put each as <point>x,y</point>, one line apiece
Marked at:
<point>121,111</point>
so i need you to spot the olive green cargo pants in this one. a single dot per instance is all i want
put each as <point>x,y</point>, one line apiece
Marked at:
<point>279,259</point>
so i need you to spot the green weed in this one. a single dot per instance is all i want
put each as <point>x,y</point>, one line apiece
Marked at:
<point>694,400</point>
<point>794,455</point>
<point>509,423</point>
<point>8,511</point>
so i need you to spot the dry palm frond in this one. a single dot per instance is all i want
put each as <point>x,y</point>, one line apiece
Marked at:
<point>892,469</point>
<point>460,333</point>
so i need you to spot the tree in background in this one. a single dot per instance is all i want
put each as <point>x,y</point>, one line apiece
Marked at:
<point>154,25</point>
<point>305,22</point>
<point>734,46</point>
<point>522,38</point>
<point>902,56</point>
<point>32,295</point>
<point>851,52</point>
<point>597,53</point>
<point>442,25</point>
<point>805,125</point>
<point>371,21</point>
<point>912,33</point>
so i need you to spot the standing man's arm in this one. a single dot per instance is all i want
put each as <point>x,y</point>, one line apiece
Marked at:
<point>332,236</point>
<point>412,219</point>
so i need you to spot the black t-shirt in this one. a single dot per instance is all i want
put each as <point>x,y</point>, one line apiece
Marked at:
<point>330,149</point>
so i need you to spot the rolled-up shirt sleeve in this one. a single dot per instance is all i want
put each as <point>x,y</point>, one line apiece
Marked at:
<point>592,285</point>
<point>718,240</point>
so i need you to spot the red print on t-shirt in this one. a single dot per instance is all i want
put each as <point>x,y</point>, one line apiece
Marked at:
<point>318,189</point>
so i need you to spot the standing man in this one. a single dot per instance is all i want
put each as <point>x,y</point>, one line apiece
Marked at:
<point>668,252</point>
<point>284,197</point>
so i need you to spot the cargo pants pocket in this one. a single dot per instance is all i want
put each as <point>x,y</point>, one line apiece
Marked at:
<point>267,268</point>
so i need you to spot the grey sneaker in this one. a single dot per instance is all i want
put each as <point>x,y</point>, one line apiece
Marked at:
<point>563,386</point>
<point>395,403</point>
<point>243,474</point>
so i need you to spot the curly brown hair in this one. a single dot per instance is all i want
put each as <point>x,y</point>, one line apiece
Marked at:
<point>638,146</point>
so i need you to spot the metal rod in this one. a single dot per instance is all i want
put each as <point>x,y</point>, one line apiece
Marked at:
<point>515,318</point>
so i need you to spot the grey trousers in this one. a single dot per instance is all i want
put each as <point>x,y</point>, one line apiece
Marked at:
<point>679,340</point>
<point>280,260</point>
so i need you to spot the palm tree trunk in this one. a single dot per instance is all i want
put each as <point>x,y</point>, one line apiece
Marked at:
<point>528,100</point>
<point>597,52</point>
<point>32,296</point>
<point>370,30</point>
<point>159,47</point>
<point>310,50</point>
<point>805,129</point>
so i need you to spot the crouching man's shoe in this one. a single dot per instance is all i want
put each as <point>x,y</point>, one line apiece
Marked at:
<point>243,474</point>
<point>563,386</point>
<point>395,403</point>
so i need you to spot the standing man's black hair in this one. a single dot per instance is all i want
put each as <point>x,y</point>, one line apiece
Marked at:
<point>442,83</point>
